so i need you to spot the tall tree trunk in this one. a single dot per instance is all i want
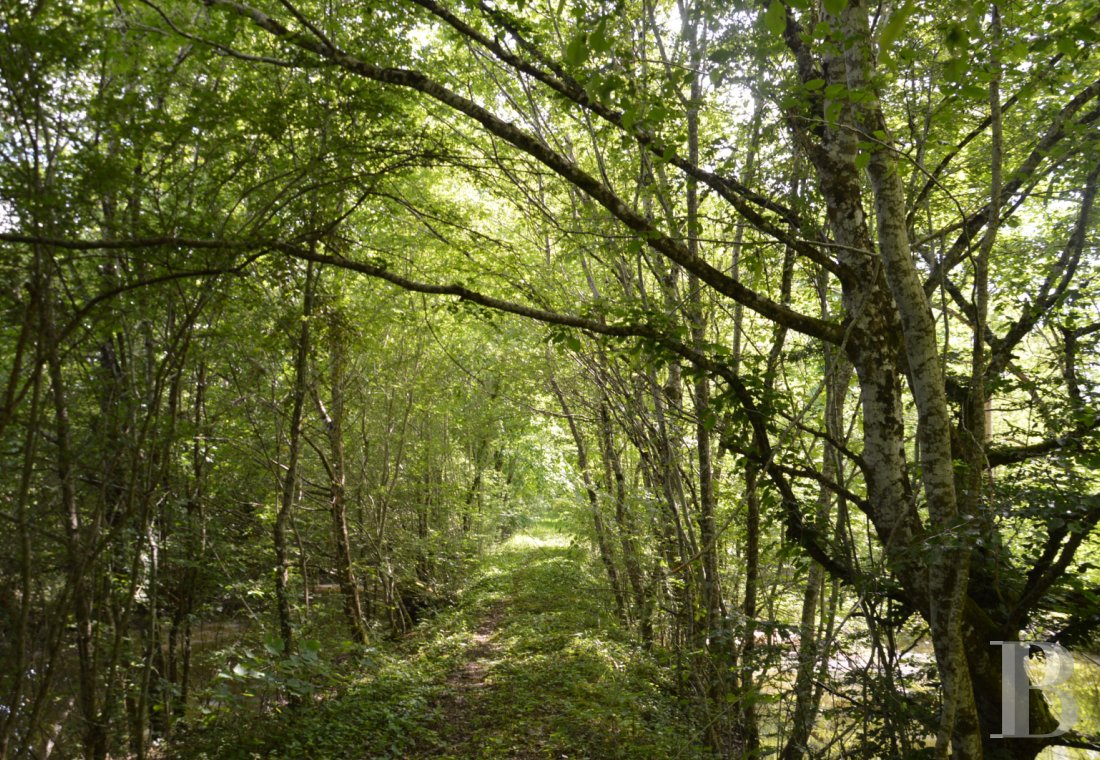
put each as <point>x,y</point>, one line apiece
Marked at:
<point>948,568</point>
<point>194,542</point>
<point>19,668</point>
<point>94,731</point>
<point>748,728</point>
<point>715,635</point>
<point>334,424</point>
<point>473,493</point>
<point>290,476</point>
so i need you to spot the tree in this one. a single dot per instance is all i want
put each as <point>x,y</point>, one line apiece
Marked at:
<point>604,136</point>
<point>840,112</point>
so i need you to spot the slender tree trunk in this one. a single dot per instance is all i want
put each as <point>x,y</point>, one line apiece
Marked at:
<point>629,546</point>
<point>194,542</point>
<point>93,732</point>
<point>603,544</point>
<point>290,476</point>
<point>837,378</point>
<point>334,423</point>
<point>26,559</point>
<point>473,493</point>
<point>749,730</point>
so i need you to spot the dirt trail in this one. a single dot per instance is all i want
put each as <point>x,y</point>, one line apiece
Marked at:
<point>463,683</point>
<point>459,708</point>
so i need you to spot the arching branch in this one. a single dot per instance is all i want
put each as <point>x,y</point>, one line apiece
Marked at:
<point>669,247</point>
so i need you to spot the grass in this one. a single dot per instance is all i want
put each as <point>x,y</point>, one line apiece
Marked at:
<point>530,663</point>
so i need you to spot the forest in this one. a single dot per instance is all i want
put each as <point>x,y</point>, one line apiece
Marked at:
<point>527,379</point>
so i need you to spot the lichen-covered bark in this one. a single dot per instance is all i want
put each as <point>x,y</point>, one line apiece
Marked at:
<point>946,549</point>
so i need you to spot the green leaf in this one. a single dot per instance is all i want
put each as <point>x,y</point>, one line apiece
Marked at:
<point>860,96</point>
<point>1066,46</point>
<point>603,86</point>
<point>893,26</point>
<point>835,7</point>
<point>863,158</point>
<point>814,84</point>
<point>273,645</point>
<point>892,30</point>
<point>576,52</point>
<point>657,114</point>
<point>775,17</point>
<point>974,91</point>
<point>956,36</point>
<point>1017,52</point>
<point>955,70</point>
<point>598,40</point>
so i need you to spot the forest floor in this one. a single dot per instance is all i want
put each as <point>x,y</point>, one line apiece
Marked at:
<point>529,663</point>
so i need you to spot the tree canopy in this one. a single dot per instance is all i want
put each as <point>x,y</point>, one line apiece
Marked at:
<point>793,305</point>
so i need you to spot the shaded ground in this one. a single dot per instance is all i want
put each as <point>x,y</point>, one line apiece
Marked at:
<point>530,664</point>
<point>461,702</point>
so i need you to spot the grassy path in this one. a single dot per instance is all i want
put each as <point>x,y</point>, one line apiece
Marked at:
<point>529,664</point>
<point>545,671</point>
